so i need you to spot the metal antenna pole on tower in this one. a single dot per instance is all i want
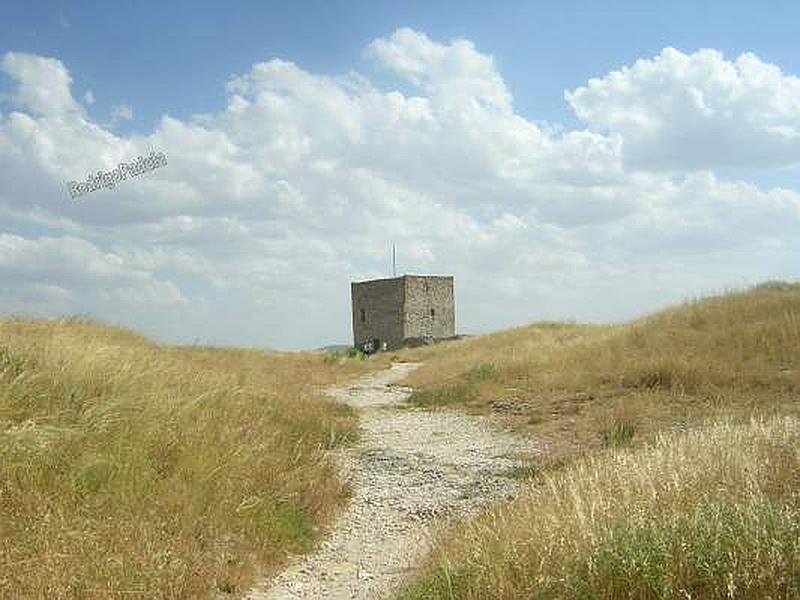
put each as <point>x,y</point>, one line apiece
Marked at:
<point>394,261</point>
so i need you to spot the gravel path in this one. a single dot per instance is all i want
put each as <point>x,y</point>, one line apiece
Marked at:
<point>412,470</point>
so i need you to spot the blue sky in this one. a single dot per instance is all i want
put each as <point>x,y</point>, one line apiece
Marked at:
<point>594,161</point>
<point>174,57</point>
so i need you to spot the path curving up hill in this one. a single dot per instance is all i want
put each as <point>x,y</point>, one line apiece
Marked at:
<point>412,470</point>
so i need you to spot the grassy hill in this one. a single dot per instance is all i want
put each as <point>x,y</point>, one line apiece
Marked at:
<point>129,468</point>
<point>670,464</point>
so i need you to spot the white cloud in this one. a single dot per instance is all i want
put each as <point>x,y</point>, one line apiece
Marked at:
<point>296,186</point>
<point>42,83</point>
<point>696,111</point>
<point>65,261</point>
<point>455,75</point>
<point>71,275</point>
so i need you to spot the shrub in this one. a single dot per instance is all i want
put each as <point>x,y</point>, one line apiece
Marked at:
<point>357,353</point>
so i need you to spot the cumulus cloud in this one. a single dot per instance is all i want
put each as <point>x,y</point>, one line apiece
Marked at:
<point>696,111</point>
<point>42,84</point>
<point>454,74</point>
<point>65,275</point>
<point>271,205</point>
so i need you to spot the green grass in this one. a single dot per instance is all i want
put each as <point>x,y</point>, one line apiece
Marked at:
<point>464,390</point>
<point>619,434</point>
<point>442,396</point>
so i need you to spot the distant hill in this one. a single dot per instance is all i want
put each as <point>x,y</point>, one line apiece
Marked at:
<point>335,348</point>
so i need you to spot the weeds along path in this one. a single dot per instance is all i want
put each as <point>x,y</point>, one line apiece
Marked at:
<point>412,470</point>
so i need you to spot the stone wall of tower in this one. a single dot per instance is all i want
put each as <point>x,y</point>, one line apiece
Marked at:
<point>378,311</point>
<point>429,311</point>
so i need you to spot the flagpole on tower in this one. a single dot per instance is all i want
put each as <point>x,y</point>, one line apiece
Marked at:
<point>394,260</point>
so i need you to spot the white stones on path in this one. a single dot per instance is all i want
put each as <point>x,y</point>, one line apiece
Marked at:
<point>412,470</point>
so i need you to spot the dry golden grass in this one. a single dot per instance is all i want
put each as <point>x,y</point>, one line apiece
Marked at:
<point>579,387</point>
<point>625,503</point>
<point>713,513</point>
<point>134,469</point>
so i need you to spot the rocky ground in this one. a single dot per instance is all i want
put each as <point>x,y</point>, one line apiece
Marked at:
<point>413,470</point>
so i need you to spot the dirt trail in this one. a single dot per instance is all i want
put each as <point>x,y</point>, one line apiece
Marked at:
<point>412,470</point>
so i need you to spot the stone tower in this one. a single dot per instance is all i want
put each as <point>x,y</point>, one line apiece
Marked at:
<point>400,311</point>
